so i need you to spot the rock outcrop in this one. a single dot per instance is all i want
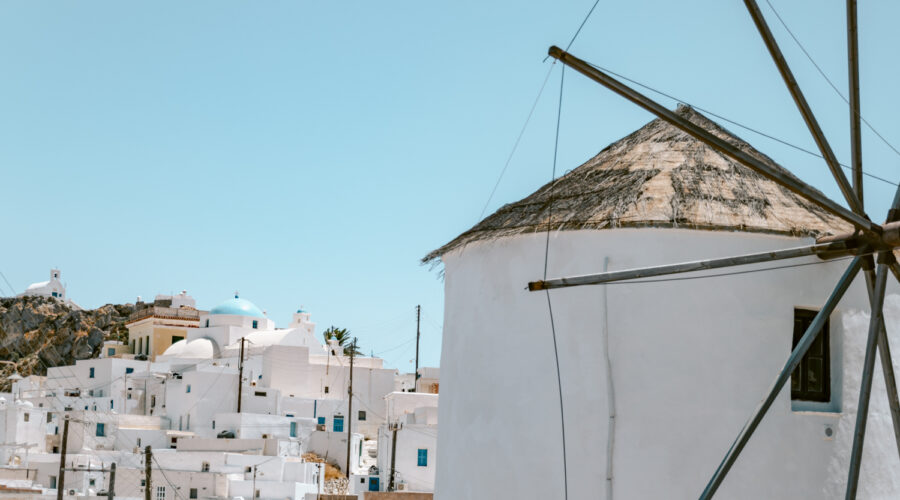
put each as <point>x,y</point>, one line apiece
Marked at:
<point>38,332</point>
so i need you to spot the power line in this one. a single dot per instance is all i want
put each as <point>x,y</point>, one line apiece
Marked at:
<point>733,122</point>
<point>819,69</point>
<point>578,31</point>
<point>518,139</point>
<point>11,289</point>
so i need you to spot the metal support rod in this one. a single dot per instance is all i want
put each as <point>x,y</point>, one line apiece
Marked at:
<point>803,107</point>
<point>862,409</point>
<point>686,267</point>
<point>792,362</point>
<point>770,171</point>
<point>853,73</point>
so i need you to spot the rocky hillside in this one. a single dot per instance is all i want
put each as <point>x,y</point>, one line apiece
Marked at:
<point>38,332</point>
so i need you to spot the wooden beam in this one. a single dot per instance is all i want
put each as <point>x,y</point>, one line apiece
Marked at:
<point>865,390</point>
<point>804,108</point>
<point>732,151</point>
<point>855,118</point>
<point>825,250</point>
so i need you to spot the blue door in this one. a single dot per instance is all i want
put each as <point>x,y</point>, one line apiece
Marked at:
<point>373,484</point>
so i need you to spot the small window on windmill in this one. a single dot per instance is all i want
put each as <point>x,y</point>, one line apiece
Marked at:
<point>811,381</point>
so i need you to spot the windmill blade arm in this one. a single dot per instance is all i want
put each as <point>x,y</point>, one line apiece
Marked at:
<point>827,250</point>
<point>732,151</point>
<point>852,200</point>
<point>855,117</point>
<point>793,361</point>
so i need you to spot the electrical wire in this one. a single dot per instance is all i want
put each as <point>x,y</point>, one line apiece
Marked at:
<point>833,86</point>
<point>161,470</point>
<point>531,112</point>
<point>518,139</point>
<point>733,122</point>
<point>11,289</point>
<point>562,415</point>
<point>578,31</point>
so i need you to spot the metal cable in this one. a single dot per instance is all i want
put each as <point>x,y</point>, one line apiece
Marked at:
<point>735,123</point>
<point>518,139</point>
<point>819,69</point>
<point>562,414</point>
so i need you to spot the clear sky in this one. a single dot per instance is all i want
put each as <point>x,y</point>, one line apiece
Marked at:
<point>310,153</point>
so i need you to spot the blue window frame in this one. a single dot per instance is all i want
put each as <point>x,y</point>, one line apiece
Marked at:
<point>255,323</point>
<point>101,430</point>
<point>338,424</point>
<point>188,388</point>
<point>111,351</point>
<point>321,421</point>
<point>423,457</point>
<point>111,404</point>
<point>129,370</point>
<point>92,373</point>
<point>373,484</point>
<point>293,429</point>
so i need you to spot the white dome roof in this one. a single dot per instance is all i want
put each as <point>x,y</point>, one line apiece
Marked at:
<point>197,348</point>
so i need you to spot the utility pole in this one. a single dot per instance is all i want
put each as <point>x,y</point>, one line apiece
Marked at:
<point>61,481</point>
<point>240,375</point>
<point>254,483</point>
<point>418,320</point>
<point>393,456</point>
<point>111,491</point>
<point>350,407</point>
<point>148,456</point>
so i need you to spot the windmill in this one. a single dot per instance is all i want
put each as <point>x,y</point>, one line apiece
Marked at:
<point>871,245</point>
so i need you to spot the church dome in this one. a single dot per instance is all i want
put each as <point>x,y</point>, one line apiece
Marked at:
<point>202,348</point>
<point>238,307</point>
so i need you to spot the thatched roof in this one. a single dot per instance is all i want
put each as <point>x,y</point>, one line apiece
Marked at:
<point>659,177</point>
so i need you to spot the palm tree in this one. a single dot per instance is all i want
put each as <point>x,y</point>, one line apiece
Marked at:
<point>342,335</point>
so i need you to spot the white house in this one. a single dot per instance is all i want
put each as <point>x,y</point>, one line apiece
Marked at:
<point>655,378</point>
<point>407,442</point>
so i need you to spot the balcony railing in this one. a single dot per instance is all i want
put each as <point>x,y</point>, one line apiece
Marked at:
<point>164,312</point>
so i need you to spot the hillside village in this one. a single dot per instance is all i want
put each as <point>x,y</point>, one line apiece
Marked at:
<point>188,403</point>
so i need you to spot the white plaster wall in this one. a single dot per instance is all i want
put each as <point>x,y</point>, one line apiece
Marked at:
<point>690,360</point>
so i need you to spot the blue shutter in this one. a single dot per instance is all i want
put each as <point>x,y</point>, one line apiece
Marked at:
<point>338,424</point>
<point>293,429</point>
<point>92,373</point>
<point>423,457</point>
<point>321,421</point>
<point>101,430</point>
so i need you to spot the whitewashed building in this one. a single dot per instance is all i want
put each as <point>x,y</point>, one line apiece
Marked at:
<point>53,287</point>
<point>407,442</point>
<point>656,378</point>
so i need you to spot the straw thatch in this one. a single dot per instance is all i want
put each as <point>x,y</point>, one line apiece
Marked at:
<point>659,177</point>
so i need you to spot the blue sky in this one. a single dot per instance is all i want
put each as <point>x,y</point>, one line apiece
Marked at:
<point>310,153</point>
